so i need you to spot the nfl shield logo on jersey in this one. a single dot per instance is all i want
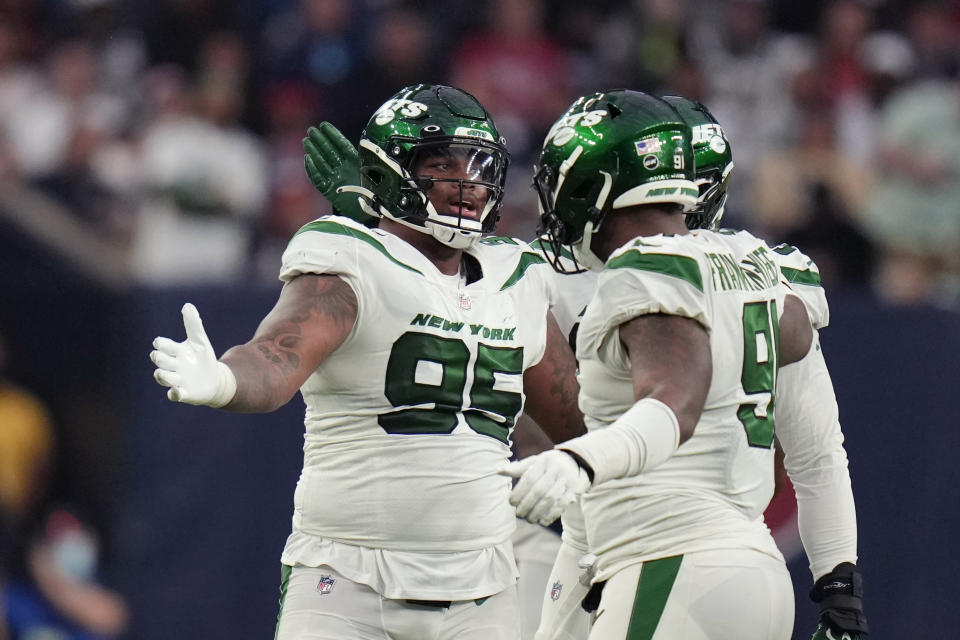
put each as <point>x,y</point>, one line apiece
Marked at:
<point>325,585</point>
<point>465,302</point>
<point>555,591</point>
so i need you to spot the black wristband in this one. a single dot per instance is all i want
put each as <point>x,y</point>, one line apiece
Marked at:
<point>840,596</point>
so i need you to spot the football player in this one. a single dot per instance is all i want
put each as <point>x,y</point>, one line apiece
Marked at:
<point>333,165</point>
<point>415,346</point>
<point>682,344</point>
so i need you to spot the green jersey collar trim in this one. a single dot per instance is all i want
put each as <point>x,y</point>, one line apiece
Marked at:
<point>526,260</point>
<point>682,267</point>
<point>329,226</point>
<point>539,245</point>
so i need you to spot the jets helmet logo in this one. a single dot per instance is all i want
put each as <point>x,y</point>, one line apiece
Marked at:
<point>406,108</point>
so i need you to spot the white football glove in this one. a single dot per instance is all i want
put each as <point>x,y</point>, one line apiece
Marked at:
<point>190,368</point>
<point>549,482</point>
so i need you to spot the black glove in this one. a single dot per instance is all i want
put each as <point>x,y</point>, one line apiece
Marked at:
<point>840,596</point>
<point>332,162</point>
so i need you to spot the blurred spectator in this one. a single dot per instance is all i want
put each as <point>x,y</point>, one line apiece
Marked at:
<point>293,200</point>
<point>808,194</point>
<point>888,61</point>
<point>177,29</point>
<point>643,43</point>
<point>55,125</point>
<point>316,41</point>
<point>59,596</point>
<point>914,212</point>
<point>400,52</point>
<point>844,27</point>
<point>933,28</point>
<point>204,180</point>
<point>26,450</point>
<point>517,71</point>
<point>747,67</point>
<point>48,583</point>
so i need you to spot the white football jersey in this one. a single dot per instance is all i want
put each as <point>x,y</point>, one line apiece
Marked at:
<point>712,492</point>
<point>408,420</point>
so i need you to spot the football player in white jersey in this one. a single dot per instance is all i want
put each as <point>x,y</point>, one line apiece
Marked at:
<point>415,346</point>
<point>681,345</point>
<point>332,163</point>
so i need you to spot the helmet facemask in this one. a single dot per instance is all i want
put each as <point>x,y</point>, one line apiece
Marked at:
<point>566,240</point>
<point>431,159</point>
<point>713,198</point>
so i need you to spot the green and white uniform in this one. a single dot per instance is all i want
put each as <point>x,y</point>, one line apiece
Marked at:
<point>712,492</point>
<point>409,419</point>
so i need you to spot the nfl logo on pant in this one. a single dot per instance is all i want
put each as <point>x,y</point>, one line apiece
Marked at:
<point>325,585</point>
<point>555,591</point>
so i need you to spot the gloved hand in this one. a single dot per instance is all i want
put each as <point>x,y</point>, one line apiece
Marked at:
<point>190,368</point>
<point>332,162</point>
<point>549,482</point>
<point>824,632</point>
<point>840,596</point>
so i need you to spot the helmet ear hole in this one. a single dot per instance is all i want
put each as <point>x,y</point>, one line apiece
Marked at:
<point>582,191</point>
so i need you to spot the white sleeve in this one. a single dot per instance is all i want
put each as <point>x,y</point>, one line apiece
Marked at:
<point>808,429</point>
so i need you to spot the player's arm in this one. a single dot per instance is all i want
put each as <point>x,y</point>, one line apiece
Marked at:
<point>312,317</point>
<point>670,362</point>
<point>551,388</point>
<point>796,334</point>
<point>671,367</point>
<point>808,429</point>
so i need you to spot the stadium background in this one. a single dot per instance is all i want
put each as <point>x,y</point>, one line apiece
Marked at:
<point>150,155</point>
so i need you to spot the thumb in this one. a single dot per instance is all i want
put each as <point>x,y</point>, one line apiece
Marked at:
<point>194,325</point>
<point>516,468</point>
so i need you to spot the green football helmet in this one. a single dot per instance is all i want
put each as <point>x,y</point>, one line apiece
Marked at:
<point>714,160</point>
<point>434,137</point>
<point>610,150</point>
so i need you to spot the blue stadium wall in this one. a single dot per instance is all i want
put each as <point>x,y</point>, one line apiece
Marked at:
<point>198,502</point>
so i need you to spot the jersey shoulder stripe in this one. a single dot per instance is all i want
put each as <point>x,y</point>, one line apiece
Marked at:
<point>678,266</point>
<point>338,228</point>
<point>797,267</point>
<point>808,277</point>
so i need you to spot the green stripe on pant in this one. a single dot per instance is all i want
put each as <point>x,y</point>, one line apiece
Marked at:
<point>653,589</point>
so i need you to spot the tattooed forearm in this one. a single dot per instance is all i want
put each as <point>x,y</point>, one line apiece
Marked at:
<point>311,319</point>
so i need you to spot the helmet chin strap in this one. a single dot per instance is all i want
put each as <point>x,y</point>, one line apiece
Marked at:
<point>583,253</point>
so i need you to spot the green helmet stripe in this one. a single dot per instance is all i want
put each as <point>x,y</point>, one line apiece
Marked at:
<point>682,267</point>
<point>801,276</point>
<point>329,226</point>
<point>526,259</point>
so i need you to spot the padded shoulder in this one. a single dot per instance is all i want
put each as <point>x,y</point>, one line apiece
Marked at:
<point>803,278</point>
<point>661,274</point>
<point>335,245</point>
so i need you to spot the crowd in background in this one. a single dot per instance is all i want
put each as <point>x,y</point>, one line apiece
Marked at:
<point>171,130</point>
<point>172,127</point>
